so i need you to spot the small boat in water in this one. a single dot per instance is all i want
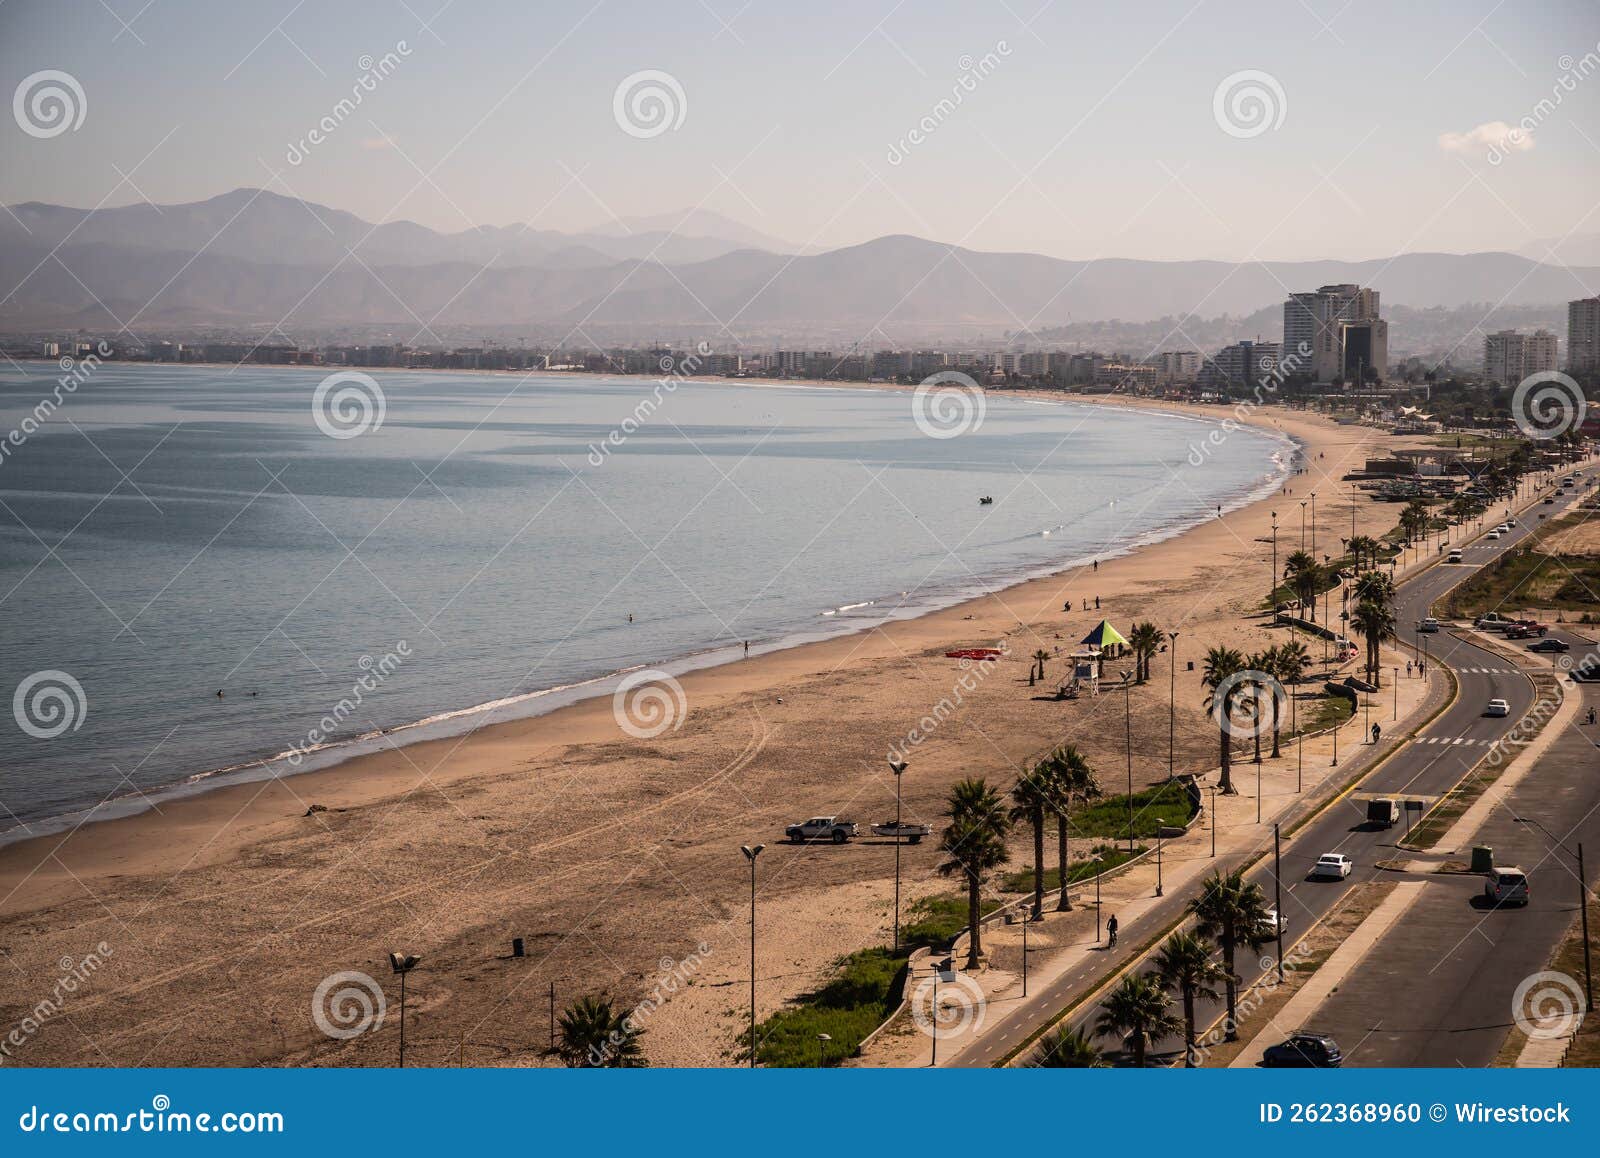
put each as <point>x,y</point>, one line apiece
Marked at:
<point>985,500</point>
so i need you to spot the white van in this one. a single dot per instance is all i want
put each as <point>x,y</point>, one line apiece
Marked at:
<point>1455,556</point>
<point>1506,886</point>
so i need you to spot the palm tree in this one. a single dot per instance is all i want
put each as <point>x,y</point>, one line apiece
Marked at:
<point>1272,665</point>
<point>1039,658</point>
<point>1374,586</point>
<point>594,1036</point>
<point>1184,963</point>
<point>1232,913</point>
<point>1031,797</point>
<point>1414,519</point>
<point>1139,1012</point>
<point>1363,550</point>
<point>1376,622</point>
<point>1145,639</point>
<point>1070,779</point>
<point>973,843</point>
<point>1065,1049</point>
<point>1222,663</point>
<point>1304,574</point>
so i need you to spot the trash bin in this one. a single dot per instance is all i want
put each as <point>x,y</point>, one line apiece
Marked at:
<point>1482,858</point>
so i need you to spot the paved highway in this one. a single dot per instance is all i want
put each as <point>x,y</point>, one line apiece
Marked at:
<point>1425,766</point>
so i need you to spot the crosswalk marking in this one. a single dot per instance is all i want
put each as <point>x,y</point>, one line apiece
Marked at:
<point>1452,741</point>
<point>1485,670</point>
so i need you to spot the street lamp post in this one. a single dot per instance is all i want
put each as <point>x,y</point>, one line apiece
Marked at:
<point>1127,737</point>
<point>1272,589</point>
<point>1160,824</point>
<point>898,767</point>
<point>403,963</point>
<point>750,854</point>
<point>1397,692</point>
<point>1313,522</point>
<point>1097,863</point>
<point>1302,524</point>
<point>1277,892</point>
<point>1213,788</point>
<point>1172,707</point>
<point>822,1046</point>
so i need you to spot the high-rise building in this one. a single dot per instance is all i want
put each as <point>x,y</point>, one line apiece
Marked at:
<point>1176,365</point>
<point>1241,364</point>
<point>1318,325</point>
<point>1509,356</point>
<point>1583,335</point>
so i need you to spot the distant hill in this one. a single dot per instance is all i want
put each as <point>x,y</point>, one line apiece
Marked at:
<point>251,257</point>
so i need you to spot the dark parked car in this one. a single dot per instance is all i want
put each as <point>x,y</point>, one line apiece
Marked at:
<point>1551,645</point>
<point>1304,1051</point>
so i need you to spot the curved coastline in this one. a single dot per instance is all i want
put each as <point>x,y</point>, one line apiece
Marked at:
<point>455,723</point>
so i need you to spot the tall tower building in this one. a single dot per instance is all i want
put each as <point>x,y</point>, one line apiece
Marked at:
<point>1319,326</point>
<point>1509,356</point>
<point>1583,335</point>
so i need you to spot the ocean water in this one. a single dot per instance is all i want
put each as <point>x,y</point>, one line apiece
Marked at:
<point>497,546</point>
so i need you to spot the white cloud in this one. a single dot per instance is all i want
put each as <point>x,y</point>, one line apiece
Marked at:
<point>1496,138</point>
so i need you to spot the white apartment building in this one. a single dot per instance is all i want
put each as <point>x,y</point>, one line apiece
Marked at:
<point>1583,335</point>
<point>1340,326</point>
<point>1510,356</point>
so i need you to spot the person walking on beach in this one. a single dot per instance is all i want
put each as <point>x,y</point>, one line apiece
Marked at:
<point>1408,669</point>
<point>1097,603</point>
<point>1097,564</point>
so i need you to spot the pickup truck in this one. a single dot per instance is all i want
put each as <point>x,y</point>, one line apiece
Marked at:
<point>832,828</point>
<point>906,830</point>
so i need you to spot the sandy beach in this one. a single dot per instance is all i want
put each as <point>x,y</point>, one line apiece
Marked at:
<point>616,859</point>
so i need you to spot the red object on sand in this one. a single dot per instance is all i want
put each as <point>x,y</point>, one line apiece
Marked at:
<point>975,653</point>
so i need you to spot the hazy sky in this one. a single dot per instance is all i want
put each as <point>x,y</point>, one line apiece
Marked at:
<point>1095,132</point>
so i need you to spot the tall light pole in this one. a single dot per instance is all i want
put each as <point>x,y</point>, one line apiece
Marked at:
<point>1272,588</point>
<point>403,963</point>
<point>1277,892</point>
<point>1302,524</point>
<point>1127,739</point>
<point>1172,707</point>
<point>1213,788</point>
<point>1160,824</point>
<point>898,767</point>
<point>1313,522</point>
<point>750,854</point>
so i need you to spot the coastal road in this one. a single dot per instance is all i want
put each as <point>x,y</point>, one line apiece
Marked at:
<point>1438,990</point>
<point>1425,766</point>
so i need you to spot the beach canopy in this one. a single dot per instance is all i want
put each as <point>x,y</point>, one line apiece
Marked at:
<point>1103,636</point>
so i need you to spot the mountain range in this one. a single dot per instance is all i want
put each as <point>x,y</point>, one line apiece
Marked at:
<point>251,258</point>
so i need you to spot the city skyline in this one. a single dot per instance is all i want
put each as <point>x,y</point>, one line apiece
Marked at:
<point>1242,134</point>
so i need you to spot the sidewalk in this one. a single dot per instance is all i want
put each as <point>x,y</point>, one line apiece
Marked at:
<point>1065,943</point>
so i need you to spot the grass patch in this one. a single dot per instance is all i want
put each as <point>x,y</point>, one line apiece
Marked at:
<point>935,921</point>
<point>850,1005</point>
<point>1585,1052</point>
<point>1108,816</point>
<point>1078,871</point>
<point>1529,577</point>
<point>1326,711</point>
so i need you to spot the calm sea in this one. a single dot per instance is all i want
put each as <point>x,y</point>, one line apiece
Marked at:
<point>496,547</point>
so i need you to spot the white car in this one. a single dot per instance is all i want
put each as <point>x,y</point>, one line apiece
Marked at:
<point>1497,707</point>
<point>1273,923</point>
<point>1332,866</point>
<point>1492,535</point>
<point>1504,529</point>
<point>1428,626</point>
